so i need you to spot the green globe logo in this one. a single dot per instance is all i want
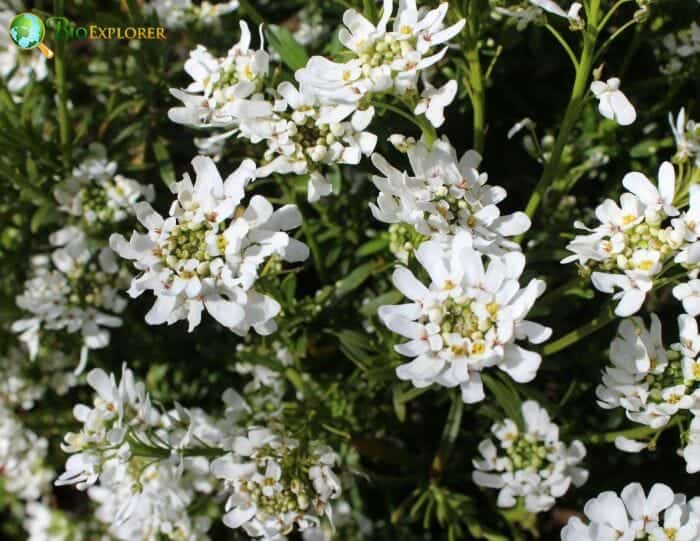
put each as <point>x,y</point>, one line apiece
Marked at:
<point>28,31</point>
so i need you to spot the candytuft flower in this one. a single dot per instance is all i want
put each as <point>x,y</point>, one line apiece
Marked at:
<point>532,464</point>
<point>467,319</point>
<point>612,103</point>
<point>205,255</point>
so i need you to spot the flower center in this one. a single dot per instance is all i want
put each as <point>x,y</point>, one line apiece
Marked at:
<point>526,453</point>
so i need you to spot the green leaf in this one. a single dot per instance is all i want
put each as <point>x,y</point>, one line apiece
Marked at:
<point>290,51</point>
<point>165,165</point>
<point>373,246</point>
<point>506,397</point>
<point>355,278</point>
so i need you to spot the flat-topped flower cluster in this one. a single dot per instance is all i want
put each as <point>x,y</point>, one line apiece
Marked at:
<point>531,463</point>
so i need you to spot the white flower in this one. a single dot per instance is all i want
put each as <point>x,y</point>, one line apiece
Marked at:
<point>97,194</point>
<point>612,103</point>
<point>445,195</point>
<point>266,497</point>
<point>467,319</point>
<point>22,456</point>
<point>628,249</point>
<point>660,515</point>
<point>691,452</point>
<point>533,464</point>
<point>73,290</point>
<point>44,523</point>
<point>434,100</point>
<point>206,254</point>
<point>552,7</point>
<point>658,201</point>
<point>687,135</point>
<point>223,90</point>
<point>385,60</point>
<point>301,135</point>
<point>689,294</point>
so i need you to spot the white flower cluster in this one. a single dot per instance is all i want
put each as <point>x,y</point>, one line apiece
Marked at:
<point>531,464</point>
<point>446,195</point>
<point>151,466</point>
<point>16,68</point>
<point>144,491</point>
<point>43,523</point>
<point>467,319</point>
<point>382,60</point>
<point>95,193</point>
<point>681,47</point>
<point>22,385</point>
<point>207,253</point>
<point>324,120</point>
<point>655,386</point>
<point>177,14</point>
<point>274,486</point>
<point>74,290</point>
<point>660,515</point>
<point>223,90</point>
<point>22,455</point>
<point>636,240</point>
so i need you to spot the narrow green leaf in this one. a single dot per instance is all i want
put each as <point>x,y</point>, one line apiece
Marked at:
<point>165,165</point>
<point>290,51</point>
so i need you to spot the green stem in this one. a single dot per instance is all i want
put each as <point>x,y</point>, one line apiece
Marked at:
<point>609,437</point>
<point>478,98</point>
<point>597,323</point>
<point>578,93</point>
<point>449,436</point>
<point>64,130</point>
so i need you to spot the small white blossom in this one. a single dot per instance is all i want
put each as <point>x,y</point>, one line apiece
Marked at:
<point>223,90</point>
<point>660,515</point>
<point>532,464</point>
<point>384,59</point>
<point>267,497</point>
<point>206,253</point>
<point>444,196</point>
<point>466,320</point>
<point>612,103</point>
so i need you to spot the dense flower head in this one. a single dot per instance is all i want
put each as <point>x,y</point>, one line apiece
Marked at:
<point>301,135</point>
<point>653,385</point>
<point>532,463</point>
<point>634,239</point>
<point>23,385</point>
<point>277,483</point>
<point>223,90</point>
<point>659,515</point>
<point>680,48</point>
<point>22,454</point>
<point>43,523</point>
<point>207,252</point>
<point>384,59</point>
<point>75,289</point>
<point>444,196</point>
<point>466,320</point>
<point>98,195</point>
